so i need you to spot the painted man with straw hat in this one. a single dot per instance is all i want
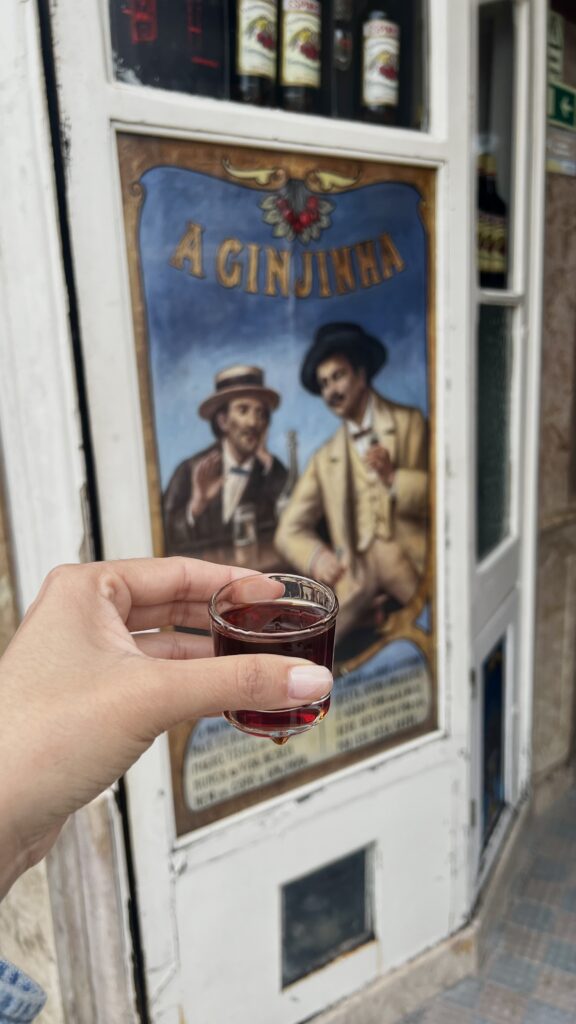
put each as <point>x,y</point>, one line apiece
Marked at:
<point>207,490</point>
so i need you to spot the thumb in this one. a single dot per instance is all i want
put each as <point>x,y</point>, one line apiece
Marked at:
<point>178,691</point>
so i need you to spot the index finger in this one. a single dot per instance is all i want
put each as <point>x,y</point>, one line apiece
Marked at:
<point>153,581</point>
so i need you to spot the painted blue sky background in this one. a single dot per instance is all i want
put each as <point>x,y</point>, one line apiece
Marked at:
<point>197,327</point>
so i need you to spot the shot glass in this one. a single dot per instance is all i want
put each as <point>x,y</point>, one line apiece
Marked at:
<point>276,613</point>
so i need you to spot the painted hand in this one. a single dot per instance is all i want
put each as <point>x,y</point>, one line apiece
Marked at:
<point>327,568</point>
<point>207,480</point>
<point>378,459</point>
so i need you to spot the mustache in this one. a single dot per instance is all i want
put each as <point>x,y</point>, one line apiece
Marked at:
<point>335,399</point>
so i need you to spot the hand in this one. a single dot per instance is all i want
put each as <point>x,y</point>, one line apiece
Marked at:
<point>82,698</point>
<point>207,480</point>
<point>378,459</point>
<point>327,568</point>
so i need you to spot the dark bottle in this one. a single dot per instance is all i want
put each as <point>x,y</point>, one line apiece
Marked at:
<point>341,83</point>
<point>498,210</point>
<point>135,41</point>
<point>380,41</point>
<point>205,66</point>
<point>171,44</point>
<point>300,64</point>
<point>254,58</point>
<point>483,227</point>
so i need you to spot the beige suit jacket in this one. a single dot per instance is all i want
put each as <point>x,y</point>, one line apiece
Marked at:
<point>324,491</point>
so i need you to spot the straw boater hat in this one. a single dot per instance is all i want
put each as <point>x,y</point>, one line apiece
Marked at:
<point>238,382</point>
<point>342,339</point>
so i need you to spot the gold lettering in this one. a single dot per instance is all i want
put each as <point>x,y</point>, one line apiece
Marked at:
<point>252,270</point>
<point>228,269</point>
<point>277,272</point>
<point>323,275</point>
<point>391,258</point>
<point>343,270</point>
<point>367,265</point>
<point>189,250</point>
<point>303,285</point>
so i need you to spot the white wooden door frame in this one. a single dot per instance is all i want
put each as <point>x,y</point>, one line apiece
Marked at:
<point>513,564</point>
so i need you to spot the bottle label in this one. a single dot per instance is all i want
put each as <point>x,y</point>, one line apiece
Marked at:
<point>301,45</point>
<point>380,64</point>
<point>498,251</point>
<point>484,242</point>
<point>256,38</point>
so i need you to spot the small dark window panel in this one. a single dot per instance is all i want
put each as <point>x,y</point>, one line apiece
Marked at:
<point>326,914</point>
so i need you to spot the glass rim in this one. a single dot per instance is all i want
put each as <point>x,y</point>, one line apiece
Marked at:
<point>250,634</point>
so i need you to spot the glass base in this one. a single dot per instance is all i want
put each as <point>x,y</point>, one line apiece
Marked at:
<point>280,724</point>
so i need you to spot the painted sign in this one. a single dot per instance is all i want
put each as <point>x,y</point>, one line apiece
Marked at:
<point>283,311</point>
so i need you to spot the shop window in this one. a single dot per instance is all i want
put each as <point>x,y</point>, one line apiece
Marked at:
<point>495,135</point>
<point>493,695</point>
<point>494,360</point>
<point>340,59</point>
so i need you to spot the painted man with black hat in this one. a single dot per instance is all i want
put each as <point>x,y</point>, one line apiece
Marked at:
<point>207,489</point>
<point>368,484</point>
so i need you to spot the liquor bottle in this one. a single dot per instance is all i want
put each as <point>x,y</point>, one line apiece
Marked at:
<point>205,67</point>
<point>254,34</point>
<point>484,226</point>
<point>379,92</point>
<point>134,34</point>
<point>499,229</point>
<point>293,473</point>
<point>171,44</point>
<point>341,85</point>
<point>300,68</point>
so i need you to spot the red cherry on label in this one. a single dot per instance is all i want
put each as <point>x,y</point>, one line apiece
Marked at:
<point>305,219</point>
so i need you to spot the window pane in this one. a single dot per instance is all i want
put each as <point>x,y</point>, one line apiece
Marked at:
<point>362,62</point>
<point>325,914</point>
<point>493,427</point>
<point>493,691</point>
<point>495,128</point>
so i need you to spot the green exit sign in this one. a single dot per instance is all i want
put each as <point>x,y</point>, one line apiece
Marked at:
<point>562,106</point>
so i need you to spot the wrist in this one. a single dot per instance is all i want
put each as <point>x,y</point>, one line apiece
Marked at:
<point>13,858</point>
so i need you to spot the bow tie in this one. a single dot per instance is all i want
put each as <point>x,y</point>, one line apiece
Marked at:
<point>239,471</point>
<point>361,433</point>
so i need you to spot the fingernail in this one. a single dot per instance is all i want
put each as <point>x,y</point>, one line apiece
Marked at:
<point>309,681</point>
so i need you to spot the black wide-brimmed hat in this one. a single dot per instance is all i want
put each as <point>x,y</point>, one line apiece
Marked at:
<point>342,339</point>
